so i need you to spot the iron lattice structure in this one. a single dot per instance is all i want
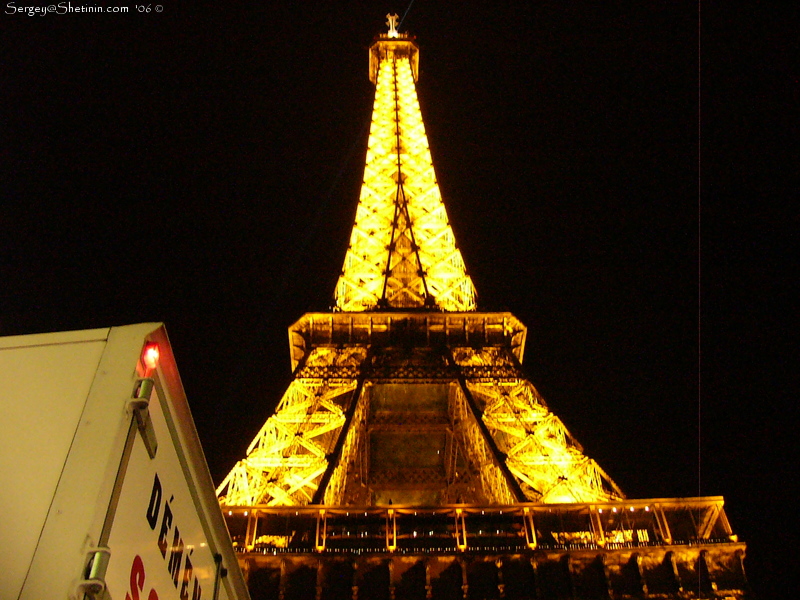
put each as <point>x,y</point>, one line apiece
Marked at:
<point>395,406</point>
<point>410,430</point>
<point>402,251</point>
<point>497,440</point>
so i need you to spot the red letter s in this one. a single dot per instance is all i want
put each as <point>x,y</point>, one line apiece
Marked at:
<point>137,579</point>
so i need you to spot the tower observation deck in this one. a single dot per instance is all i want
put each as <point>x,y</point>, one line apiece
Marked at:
<point>411,456</point>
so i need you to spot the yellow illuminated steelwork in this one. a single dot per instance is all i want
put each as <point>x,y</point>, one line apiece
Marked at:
<point>287,458</point>
<point>497,442</point>
<point>412,431</point>
<point>402,251</point>
<point>542,455</point>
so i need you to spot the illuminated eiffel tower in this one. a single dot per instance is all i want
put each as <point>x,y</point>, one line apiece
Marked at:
<point>411,457</point>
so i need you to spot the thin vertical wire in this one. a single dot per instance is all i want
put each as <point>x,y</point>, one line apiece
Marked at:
<point>699,255</point>
<point>405,14</point>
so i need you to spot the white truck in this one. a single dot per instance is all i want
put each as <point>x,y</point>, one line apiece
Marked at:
<point>105,490</point>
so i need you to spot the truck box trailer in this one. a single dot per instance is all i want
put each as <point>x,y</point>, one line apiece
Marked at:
<point>105,489</point>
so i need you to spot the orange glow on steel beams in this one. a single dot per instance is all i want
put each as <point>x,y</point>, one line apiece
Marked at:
<point>402,249</point>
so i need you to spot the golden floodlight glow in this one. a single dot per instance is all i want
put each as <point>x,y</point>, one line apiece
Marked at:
<point>402,251</point>
<point>505,445</point>
<point>405,397</point>
<point>288,456</point>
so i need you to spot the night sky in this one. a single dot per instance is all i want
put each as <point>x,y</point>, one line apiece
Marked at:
<point>611,172</point>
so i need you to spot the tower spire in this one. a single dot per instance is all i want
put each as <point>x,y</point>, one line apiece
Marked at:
<point>402,251</point>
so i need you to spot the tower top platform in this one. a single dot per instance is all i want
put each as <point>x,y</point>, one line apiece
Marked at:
<point>385,47</point>
<point>411,329</point>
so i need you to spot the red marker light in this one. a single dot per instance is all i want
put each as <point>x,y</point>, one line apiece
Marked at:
<point>150,355</point>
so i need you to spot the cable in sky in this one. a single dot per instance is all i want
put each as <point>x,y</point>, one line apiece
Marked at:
<point>405,13</point>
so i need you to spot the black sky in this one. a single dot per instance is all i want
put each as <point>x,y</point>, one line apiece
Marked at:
<point>611,173</point>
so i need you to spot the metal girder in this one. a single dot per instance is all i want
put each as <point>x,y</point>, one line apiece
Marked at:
<point>350,471</point>
<point>287,459</point>
<point>402,251</point>
<point>490,482</point>
<point>540,452</point>
<point>336,469</point>
<point>510,447</point>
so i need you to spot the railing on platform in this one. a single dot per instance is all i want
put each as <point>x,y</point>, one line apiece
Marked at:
<point>424,329</point>
<point>465,528</point>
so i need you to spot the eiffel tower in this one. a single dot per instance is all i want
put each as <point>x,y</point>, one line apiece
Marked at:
<point>411,457</point>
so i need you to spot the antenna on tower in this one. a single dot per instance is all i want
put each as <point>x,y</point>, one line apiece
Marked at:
<point>392,23</point>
